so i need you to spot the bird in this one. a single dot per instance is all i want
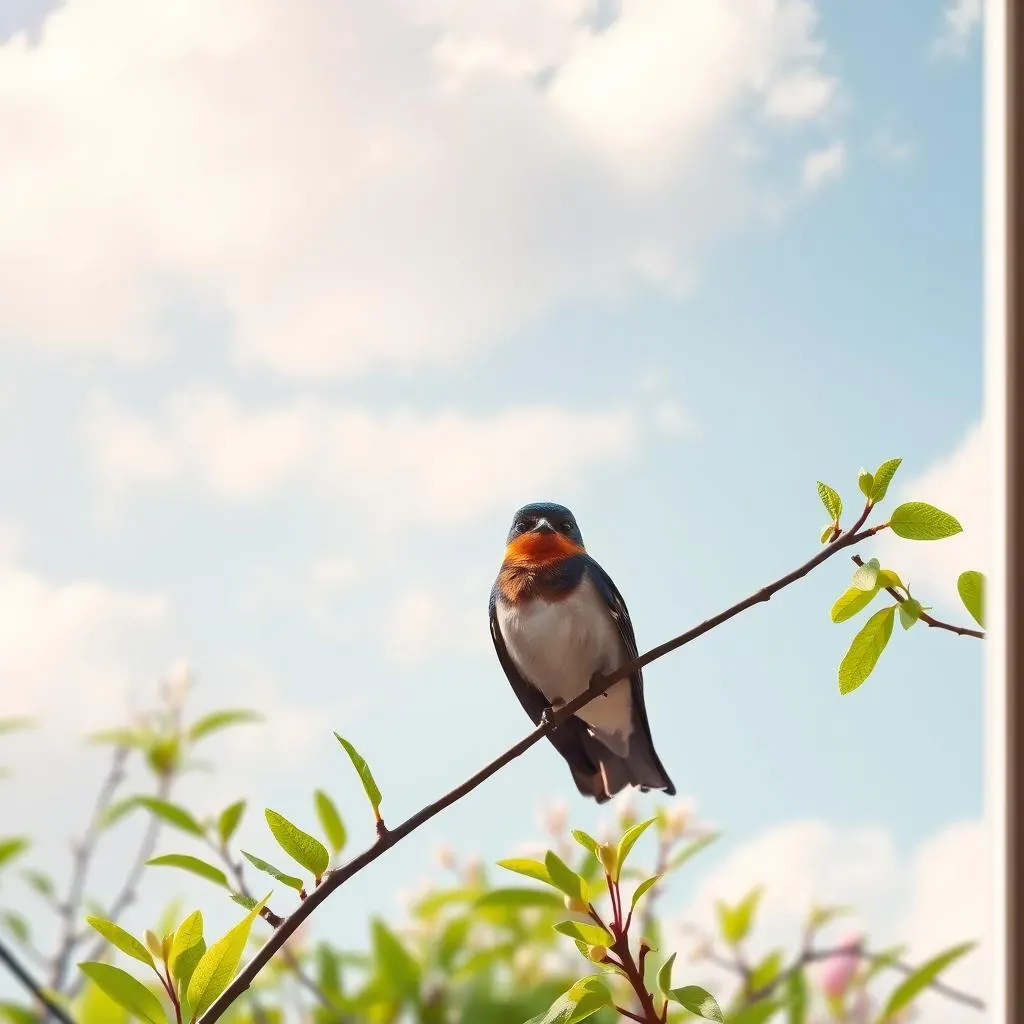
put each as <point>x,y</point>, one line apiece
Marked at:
<point>557,620</point>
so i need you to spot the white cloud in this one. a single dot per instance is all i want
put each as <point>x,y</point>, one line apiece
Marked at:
<point>442,467</point>
<point>823,164</point>
<point>960,484</point>
<point>933,898</point>
<point>74,652</point>
<point>960,19</point>
<point>382,182</point>
<point>890,147</point>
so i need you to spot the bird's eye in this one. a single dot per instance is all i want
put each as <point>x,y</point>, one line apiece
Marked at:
<point>521,526</point>
<point>567,526</point>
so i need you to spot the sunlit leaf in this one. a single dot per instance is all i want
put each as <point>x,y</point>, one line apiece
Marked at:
<point>123,940</point>
<point>192,864</point>
<point>221,720</point>
<point>917,520</point>
<point>218,964</point>
<point>261,865</point>
<point>911,987</point>
<point>971,587</point>
<point>229,820</point>
<point>330,822</point>
<point>303,848</point>
<point>13,847</point>
<point>628,841</point>
<point>564,878</point>
<point>697,1001</point>
<point>397,963</point>
<point>126,991</point>
<point>365,775</point>
<point>865,650</point>
<point>516,898</point>
<point>882,478</point>
<point>831,500</point>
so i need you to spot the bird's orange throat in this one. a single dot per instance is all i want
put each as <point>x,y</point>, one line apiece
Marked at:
<point>535,550</point>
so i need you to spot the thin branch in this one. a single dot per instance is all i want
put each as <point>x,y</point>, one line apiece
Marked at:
<point>287,956</point>
<point>126,896</point>
<point>82,860</point>
<point>808,956</point>
<point>15,967</point>
<point>925,617</point>
<point>387,838</point>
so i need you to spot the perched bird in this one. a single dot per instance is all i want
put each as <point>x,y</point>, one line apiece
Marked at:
<point>557,620</point>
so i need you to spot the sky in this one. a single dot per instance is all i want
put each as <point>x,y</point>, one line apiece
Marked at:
<point>299,305</point>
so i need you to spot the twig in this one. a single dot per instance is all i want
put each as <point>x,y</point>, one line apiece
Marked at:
<point>126,895</point>
<point>290,960</point>
<point>389,837</point>
<point>925,617</point>
<point>82,859</point>
<point>33,986</point>
<point>808,956</point>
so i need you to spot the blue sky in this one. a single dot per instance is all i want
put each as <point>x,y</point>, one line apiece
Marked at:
<point>280,365</point>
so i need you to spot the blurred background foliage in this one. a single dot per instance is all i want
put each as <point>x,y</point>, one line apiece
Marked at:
<point>477,945</point>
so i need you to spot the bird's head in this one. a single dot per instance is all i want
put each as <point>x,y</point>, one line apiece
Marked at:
<point>543,532</point>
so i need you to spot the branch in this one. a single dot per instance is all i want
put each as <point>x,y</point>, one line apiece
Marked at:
<point>925,617</point>
<point>33,986</point>
<point>126,896</point>
<point>387,838</point>
<point>82,859</point>
<point>813,955</point>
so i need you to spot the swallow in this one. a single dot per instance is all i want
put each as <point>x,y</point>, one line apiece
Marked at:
<point>557,620</point>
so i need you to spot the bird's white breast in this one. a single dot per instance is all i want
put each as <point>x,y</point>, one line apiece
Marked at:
<point>559,645</point>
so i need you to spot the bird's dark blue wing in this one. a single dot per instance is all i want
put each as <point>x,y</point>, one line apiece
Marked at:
<point>620,615</point>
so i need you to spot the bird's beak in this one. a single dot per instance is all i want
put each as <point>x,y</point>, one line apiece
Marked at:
<point>543,526</point>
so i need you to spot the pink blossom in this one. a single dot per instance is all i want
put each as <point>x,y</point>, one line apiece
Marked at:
<point>837,971</point>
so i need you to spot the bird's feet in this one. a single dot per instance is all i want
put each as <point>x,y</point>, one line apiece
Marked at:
<point>596,681</point>
<point>549,713</point>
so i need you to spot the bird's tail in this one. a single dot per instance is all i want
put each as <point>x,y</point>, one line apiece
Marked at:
<point>611,773</point>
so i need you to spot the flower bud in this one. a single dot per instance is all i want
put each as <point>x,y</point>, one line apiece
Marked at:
<point>597,953</point>
<point>575,905</point>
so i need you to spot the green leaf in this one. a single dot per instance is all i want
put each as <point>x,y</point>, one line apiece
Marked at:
<point>641,889</point>
<point>269,869</point>
<point>866,576</point>
<point>760,1012</point>
<point>916,520</point>
<point>697,1001</point>
<point>888,578</point>
<point>821,916</point>
<point>11,848</point>
<point>220,720</point>
<point>15,1014</point>
<point>137,739</point>
<point>529,868</point>
<point>229,820</point>
<point>299,845</point>
<point>588,842</point>
<point>241,899</point>
<point>910,611</point>
<point>665,976</point>
<point>735,922</point>
<point>628,841</point>
<point>583,1000</point>
<point>218,964</point>
<point>850,602</point>
<point>971,587</point>
<point>564,878</point>
<point>796,997</point>
<point>16,925</point>
<point>124,941</point>
<point>691,850</point>
<point>912,986</point>
<point>826,533</point>
<point>591,934</point>
<point>865,481</point>
<point>163,809</point>
<point>193,864</point>
<point>519,897</point>
<point>187,939</point>
<point>126,991</point>
<point>831,500</point>
<point>883,961</point>
<point>39,882</point>
<point>766,971</point>
<point>397,964</point>
<point>365,775</point>
<point>330,822</point>
<point>866,649</point>
<point>15,724</point>
<point>882,478</point>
